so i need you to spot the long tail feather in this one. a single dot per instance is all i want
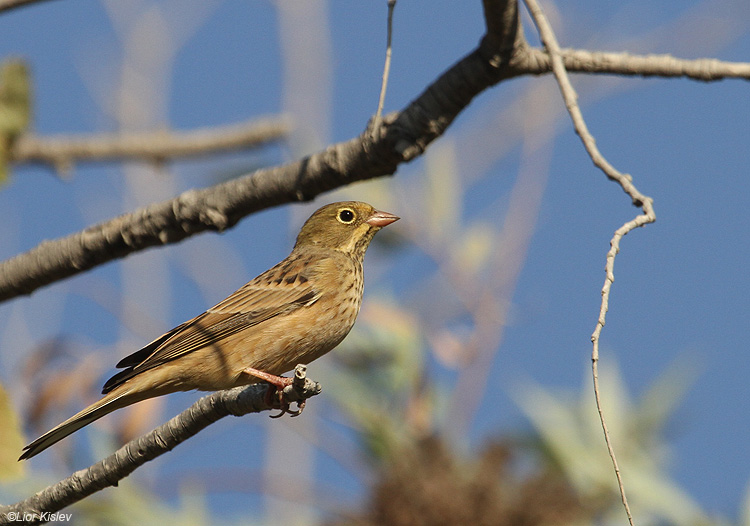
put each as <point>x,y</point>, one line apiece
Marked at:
<point>114,400</point>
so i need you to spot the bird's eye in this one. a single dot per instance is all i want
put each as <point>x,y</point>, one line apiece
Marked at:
<point>346,216</point>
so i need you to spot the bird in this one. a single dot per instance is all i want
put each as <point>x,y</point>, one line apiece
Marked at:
<point>293,313</point>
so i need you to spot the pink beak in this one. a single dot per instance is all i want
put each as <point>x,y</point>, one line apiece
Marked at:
<point>381,219</point>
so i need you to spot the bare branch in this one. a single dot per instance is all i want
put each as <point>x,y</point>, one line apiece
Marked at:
<point>626,64</point>
<point>62,152</point>
<point>405,136</point>
<point>109,471</point>
<point>625,181</point>
<point>504,37</point>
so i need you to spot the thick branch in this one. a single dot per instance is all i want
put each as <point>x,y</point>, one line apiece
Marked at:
<point>404,136</point>
<point>109,471</point>
<point>504,37</point>
<point>63,151</point>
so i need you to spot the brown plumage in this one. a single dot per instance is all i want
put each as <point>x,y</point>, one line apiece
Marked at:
<point>293,313</point>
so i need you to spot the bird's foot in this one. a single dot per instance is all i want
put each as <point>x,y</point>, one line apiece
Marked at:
<point>275,397</point>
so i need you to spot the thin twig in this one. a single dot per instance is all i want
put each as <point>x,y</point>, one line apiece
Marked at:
<point>625,181</point>
<point>386,68</point>
<point>630,65</point>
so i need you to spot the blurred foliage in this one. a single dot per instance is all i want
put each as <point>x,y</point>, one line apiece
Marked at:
<point>382,365</point>
<point>11,439</point>
<point>15,108</point>
<point>131,504</point>
<point>562,472</point>
<point>569,433</point>
<point>428,485</point>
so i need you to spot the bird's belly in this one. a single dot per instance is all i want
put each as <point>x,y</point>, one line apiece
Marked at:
<point>302,340</point>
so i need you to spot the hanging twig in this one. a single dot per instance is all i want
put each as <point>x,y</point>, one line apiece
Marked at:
<point>625,181</point>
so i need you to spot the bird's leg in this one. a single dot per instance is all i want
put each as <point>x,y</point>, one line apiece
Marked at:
<point>279,382</point>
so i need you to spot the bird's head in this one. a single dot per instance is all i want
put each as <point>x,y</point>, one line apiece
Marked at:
<point>347,226</point>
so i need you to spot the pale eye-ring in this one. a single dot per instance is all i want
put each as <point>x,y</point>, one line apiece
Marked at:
<point>346,216</point>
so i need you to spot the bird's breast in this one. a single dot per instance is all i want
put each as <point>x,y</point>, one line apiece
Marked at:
<point>312,330</point>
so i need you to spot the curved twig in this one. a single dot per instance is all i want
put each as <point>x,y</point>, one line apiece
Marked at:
<point>626,182</point>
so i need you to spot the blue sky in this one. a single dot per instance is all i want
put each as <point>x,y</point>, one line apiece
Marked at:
<point>681,290</point>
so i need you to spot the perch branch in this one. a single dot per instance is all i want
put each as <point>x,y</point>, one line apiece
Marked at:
<point>109,471</point>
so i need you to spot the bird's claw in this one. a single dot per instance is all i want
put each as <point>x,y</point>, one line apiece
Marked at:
<point>286,409</point>
<point>277,386</point>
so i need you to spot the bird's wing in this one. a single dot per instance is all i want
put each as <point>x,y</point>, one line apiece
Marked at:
<point>280,290</point>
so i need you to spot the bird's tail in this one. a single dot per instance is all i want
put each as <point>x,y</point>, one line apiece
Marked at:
<point>112,401</point>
